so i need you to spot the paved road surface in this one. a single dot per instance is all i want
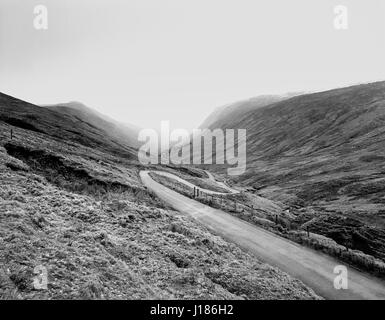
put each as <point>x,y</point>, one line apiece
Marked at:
<point>311,267</point>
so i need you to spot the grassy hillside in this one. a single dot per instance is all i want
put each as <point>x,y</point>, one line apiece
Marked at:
<point>63,126</point>
<point>322,156</point>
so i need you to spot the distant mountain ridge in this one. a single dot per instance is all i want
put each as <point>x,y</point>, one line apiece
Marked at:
<point>121,131</point>
<point>73,122</point>
<point>223,115</point>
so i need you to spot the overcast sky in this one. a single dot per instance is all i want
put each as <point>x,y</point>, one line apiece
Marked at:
<point>143,61</point>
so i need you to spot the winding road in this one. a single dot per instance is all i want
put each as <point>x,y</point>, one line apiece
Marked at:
<point>189,184</point>
<point>313,268</point>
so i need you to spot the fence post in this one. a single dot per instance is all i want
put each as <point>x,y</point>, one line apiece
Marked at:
<point>194,192</point>
<point>11,134</point>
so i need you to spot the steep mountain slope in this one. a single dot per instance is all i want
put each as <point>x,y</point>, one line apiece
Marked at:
<point>68,126</point>
<point>338,119</point>
<point>322,155</point>
<point>126,133</point>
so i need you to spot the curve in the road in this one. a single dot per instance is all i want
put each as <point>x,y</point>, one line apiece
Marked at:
<point>191,185</point>
<point>313,268</point>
